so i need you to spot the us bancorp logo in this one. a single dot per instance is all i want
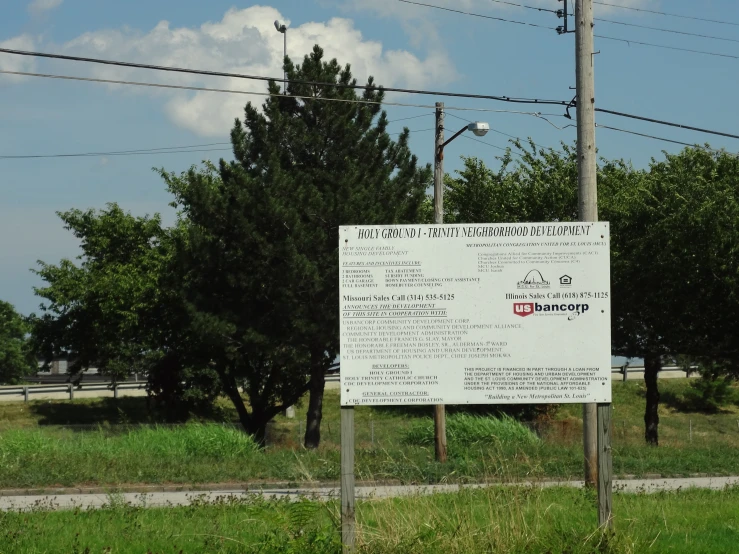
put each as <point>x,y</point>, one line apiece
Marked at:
<point>524,309</point>
<point>533,280</point>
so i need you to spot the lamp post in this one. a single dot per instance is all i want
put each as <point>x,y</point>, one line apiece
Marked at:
<point>480,129</point>
<point>282,28</point>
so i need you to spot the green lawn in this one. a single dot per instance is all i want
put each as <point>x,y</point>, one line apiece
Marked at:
<point>496,520</point>
<point>36,452</point>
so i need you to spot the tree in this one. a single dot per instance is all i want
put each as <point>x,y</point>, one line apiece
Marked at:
<point>677,281</point>
<point>259,264</point>
<point>16,356</point>
<point>116,310</point>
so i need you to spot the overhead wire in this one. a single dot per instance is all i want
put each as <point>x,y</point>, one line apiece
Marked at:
<point>668,14</point>
<point>277,95</point>
<point>645,135</point>
<point>662,30</point>
<point>476,14</point>
<point>538,9</point>
<point>614,22</point>
<point>506,149</point>
<point>210,73</point>
<point>153,151</point>
<point>629,41</point>
<point>354,100</point>
<point>508,135</point>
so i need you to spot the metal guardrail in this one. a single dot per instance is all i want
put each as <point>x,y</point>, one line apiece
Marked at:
<point>27,390</point>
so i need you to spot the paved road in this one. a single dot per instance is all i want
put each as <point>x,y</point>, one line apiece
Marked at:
<point>92,501</point>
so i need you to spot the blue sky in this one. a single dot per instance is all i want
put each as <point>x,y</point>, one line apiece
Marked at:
<point>402,45</point>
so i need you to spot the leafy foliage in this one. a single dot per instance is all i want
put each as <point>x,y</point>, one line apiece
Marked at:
<point>259,261</point>
<point>16,356</point>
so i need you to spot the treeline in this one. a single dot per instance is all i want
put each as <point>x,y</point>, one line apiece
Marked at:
<point>674,246</point>
<point>243,290</point>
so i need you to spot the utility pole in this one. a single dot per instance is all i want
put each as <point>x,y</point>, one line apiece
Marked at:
<point>587,190</point>
<point>439,411</point>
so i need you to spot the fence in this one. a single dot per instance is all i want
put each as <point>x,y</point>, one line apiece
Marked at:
<point>26,391</point>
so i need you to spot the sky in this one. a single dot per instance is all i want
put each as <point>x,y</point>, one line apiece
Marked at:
<point>400,44</point>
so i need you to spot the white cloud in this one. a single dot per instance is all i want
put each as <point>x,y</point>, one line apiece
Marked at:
<point>245,41</point>
<point>39,6</point>
<point>12,62</point>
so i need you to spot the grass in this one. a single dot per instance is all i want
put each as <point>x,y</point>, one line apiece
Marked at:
<point>471,430</point>
<point>392,444</point>
<point>500,520</point>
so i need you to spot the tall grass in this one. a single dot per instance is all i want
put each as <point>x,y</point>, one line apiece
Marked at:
<point>469,430</point>
<point>500,520</point>
<point>201,440</point>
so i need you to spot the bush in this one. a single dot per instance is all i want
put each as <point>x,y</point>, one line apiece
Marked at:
<point>467,430</point>
<point>708,394</point>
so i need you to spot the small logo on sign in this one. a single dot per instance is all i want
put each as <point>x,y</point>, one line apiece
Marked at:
<point>533,280</point>
<point>523,308</point>
<point>565,281</point>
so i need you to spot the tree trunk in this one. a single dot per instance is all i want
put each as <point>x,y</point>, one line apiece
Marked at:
<point>232,391</point>
<point>652,366</point>
<point>315,407</point>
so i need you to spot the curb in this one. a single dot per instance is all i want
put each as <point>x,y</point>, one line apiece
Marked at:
<point>266,485</point>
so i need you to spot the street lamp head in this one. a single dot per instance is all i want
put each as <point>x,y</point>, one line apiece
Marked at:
<point>281,27</point>
<point>479,128</point>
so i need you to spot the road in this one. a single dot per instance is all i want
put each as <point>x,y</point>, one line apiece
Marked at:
<point>169,499</point>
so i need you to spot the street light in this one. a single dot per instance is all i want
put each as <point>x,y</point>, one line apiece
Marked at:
<point>282,28</point>
<point>480,129</point>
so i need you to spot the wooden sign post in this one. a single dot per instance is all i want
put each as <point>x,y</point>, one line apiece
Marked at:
<point>347,480</point>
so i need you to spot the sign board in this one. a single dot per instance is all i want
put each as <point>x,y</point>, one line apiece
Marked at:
<point>475,314</point>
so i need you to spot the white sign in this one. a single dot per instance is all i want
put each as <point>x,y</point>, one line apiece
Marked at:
<point>475,314</point>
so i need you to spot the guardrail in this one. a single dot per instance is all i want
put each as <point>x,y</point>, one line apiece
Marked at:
<point>27,390</point>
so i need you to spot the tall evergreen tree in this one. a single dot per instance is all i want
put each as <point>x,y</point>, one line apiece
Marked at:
<point>260,263</point>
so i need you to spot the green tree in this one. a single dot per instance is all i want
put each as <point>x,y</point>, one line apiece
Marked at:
<point>116,309</point>
<point>680,264</point>
<point>16,356</point>
<point>259,264</point>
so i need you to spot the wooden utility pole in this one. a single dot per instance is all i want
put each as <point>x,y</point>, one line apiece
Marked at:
<point>439,411</point>
<point>596,418</point>
<point>586,182</point>
<point>347,480</point>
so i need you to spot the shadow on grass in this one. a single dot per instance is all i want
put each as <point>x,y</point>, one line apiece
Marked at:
<point>102,411</point>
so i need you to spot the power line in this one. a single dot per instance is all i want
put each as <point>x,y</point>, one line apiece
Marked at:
<point>667,123</point>
<point>424,106</point>
<point>658,138</point>
<point>629,41</point>
<point>614,22</point>
<point>412,117</point>
<point>660,29</point>
<point>105,154</point>
<point>666,14</point>
<point>263,78</point>
<point>704,52</point>
<point>509,136</point>
<point>152,151</point>
<point>277,95</point>
<point>477,15</point>
<point>524,6</point>
<point>507,149</point>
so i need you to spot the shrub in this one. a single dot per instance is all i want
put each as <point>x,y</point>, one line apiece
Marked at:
<point>467,430</point>
<point>708,394</point>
